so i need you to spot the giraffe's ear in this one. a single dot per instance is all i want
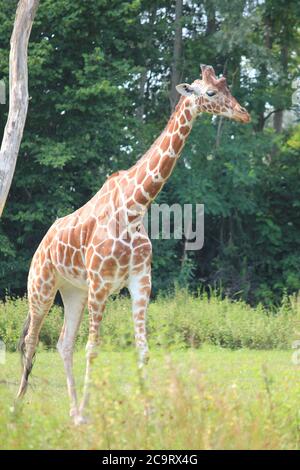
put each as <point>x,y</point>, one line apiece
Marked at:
<point>185,89</point>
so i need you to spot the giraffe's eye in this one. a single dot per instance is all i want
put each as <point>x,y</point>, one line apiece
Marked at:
<point>211,93</point>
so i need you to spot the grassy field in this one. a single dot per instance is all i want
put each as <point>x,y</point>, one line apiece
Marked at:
<point>206,398</point>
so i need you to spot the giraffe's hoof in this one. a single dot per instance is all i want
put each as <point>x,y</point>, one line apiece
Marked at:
<point>93,355</point>
<point>143,360</point>
<point>80,420</point>
<point>92,351</point>
<point>147,358</point>
<point>73,412</point>
<point>149,410</point>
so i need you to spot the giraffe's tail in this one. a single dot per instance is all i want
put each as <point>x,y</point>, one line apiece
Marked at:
<point>26,364</point>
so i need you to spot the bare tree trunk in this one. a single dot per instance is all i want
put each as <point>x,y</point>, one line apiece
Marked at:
<point>268,42</point>
<point>278,115</point>
<point>277,121</point>
<point>177,52</point>
<point>18,95</point>
<point>211,25</point>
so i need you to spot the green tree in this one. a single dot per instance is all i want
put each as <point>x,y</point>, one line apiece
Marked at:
<point>100,77</point>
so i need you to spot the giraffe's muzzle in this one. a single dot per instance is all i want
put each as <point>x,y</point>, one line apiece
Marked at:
<point>241,115</point>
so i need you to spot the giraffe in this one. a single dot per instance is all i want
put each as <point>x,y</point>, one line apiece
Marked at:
<point>103,246</point>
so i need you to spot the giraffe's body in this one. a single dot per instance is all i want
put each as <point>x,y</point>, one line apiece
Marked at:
<point>103,246</point>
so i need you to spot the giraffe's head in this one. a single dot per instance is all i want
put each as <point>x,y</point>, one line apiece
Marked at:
<point>212,95</point>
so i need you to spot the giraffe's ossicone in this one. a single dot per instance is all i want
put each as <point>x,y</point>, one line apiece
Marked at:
<point>103,246</point>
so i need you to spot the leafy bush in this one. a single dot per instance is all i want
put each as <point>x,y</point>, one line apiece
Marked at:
<point>179,321</point>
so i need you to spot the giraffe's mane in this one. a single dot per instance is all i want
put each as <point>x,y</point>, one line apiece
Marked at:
<point>155,143</point>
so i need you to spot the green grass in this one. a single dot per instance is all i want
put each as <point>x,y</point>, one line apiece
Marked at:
<point>220,377</point>
<point>206,398</point>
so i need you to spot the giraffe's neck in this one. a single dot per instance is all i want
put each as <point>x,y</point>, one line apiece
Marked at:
<point>155,167</point>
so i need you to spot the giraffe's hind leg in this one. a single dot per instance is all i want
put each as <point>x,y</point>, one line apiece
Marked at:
<point>41,292</point>
<point>74,301</point>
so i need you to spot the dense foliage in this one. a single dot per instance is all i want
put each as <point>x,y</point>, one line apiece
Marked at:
<point>100,75</point>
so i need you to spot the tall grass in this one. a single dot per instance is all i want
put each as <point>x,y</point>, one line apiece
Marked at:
<point>180,321</point>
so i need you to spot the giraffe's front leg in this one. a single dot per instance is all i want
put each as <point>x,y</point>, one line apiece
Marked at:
<point>140,287</point>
